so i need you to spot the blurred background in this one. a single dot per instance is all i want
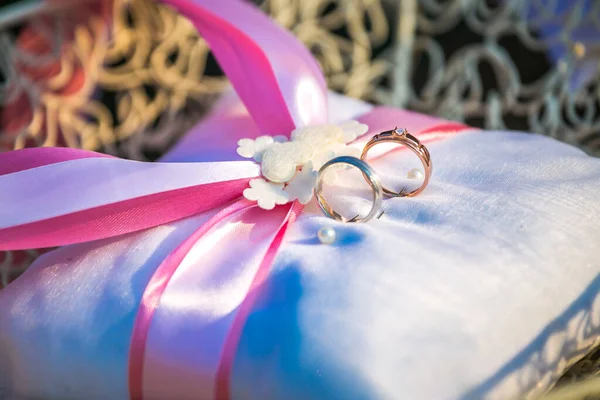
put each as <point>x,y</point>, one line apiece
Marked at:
<point>129,77</point>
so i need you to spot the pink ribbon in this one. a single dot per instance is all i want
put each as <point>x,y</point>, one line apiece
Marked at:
<point>233,337</point>
<point>55,197</point>
<point>154,291</point>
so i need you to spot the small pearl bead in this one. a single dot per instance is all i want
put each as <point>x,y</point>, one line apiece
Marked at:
<point>414,173</point>
<point>326,235</point>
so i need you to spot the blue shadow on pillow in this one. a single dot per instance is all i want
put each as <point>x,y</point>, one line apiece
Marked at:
<point>272,362</point>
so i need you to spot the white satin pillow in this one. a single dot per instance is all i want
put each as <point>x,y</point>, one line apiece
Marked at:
<point>482,287</point>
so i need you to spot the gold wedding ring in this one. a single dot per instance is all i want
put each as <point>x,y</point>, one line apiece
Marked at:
<point>401,136</point>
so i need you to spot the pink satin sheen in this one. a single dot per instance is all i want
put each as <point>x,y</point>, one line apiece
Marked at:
<point>24,159</point>
<point>120,218</point>
<point>154,291</point>
<point>204,301</point>
<point>26,198</point>
<point>126,196</point>
<point>261,60</point>
<point>223,378</point>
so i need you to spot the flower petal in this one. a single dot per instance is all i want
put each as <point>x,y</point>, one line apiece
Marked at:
<point>246,148</point>
<point>282,198</point>
<point>261,144</point>
<point>266,203</point>
<point>302,185</point>
<point>251,194</point>
<point>319,136</point>
<point>278,162</point>
<point>301,153</point>
<point>353,129</point>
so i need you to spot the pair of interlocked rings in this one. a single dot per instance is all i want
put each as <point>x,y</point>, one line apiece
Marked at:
<point>398,136</point>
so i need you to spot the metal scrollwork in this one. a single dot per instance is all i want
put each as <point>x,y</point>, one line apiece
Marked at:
<point>561,100</point>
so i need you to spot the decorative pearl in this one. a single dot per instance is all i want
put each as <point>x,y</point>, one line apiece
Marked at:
<point>414,173</point>
<point>326,235</point>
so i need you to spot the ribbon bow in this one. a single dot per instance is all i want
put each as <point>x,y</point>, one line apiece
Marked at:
<point>53,197</point>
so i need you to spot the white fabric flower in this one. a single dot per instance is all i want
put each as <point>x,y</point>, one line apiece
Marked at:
<point>296,162</point>
<point>321,158</point>
<point>319,136</point>
<point>254,148</point>
<point>266,194</point>
<point>353,129</point>
<point>280,161</point>
<point>302,186</point>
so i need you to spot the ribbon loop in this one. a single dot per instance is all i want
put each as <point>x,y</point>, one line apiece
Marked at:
<point>276,77</point>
